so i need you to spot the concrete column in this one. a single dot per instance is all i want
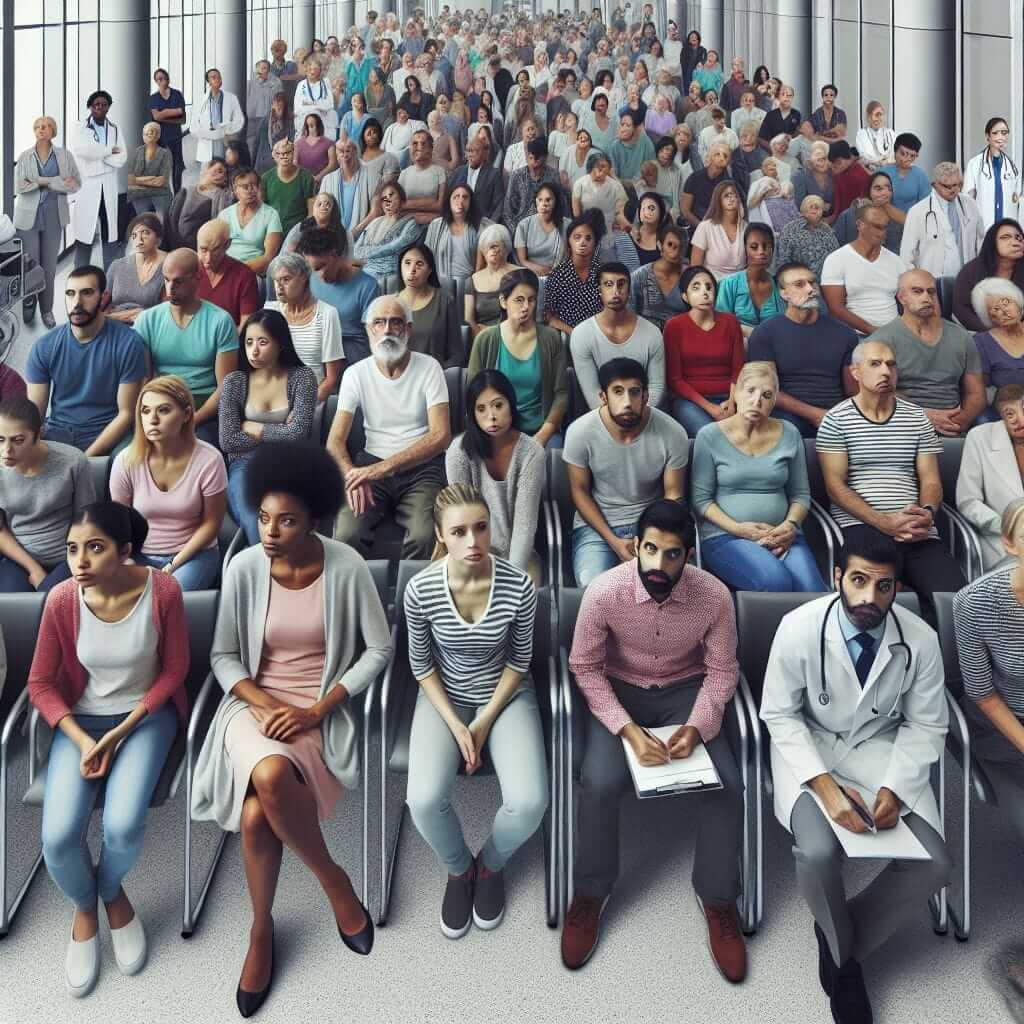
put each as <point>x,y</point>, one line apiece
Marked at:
<point>230,32</point>
<point>712,24</point>
<point>125,68</point>
<point>789,28</point>
<point>348,14</point>
<point>822,64</point>
<point>303,22</point>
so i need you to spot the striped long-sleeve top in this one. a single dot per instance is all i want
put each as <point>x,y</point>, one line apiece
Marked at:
<point>470,657</point>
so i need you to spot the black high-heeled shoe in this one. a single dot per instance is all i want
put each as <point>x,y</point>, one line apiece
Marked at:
<point>249,1002</point>
<point>362,941</point>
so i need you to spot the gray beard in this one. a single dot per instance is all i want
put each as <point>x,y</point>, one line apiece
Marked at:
<point>389,349</point>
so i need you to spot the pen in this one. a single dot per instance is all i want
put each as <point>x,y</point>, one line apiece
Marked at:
<point>864,816</point>
<point>650,735</point>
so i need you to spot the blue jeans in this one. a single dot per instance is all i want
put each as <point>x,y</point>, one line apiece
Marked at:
<point>988,415</point>
<point>591,556</point>
<point>691,415</point>
<point>806,427</point>
<point>209,431</point>
<point>744,565</point>
<point>198,573</point>
<point>246,517</point>
<point>69,799</point>
<point>76,436</point>
<point>14,579</point>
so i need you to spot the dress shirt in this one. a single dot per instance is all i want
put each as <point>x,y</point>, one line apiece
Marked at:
<point>850,632</point>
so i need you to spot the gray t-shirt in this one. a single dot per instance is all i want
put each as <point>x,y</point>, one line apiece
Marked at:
<point>930,375</point>
<point>625,478</point>
<point>591,349</point>
<point>422,184</point>
<point>39,509</point>
<point>541,246</point>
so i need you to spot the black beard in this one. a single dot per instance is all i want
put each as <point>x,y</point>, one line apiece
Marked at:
<point>864,616</point>
<point>658,589</point>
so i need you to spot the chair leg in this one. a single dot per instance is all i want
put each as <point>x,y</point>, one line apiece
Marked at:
<point>938,903</point>
<point>191,912</point>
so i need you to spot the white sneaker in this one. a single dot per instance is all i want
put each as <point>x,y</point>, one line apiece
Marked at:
<point>82,965</point>
<point>129,946</point>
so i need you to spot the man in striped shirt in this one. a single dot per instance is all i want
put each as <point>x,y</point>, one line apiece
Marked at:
<point>879,457</point>
<point>654,645</point>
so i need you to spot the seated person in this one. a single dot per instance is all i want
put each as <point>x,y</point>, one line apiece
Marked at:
<point>481,176</point>
<point>223,280</point>
<point>326,214</point>
<point>572,293</point>
<point>392,228</point>
<point>849,179</point>
<point>404,401</point>
<point>134,281</point>
<point>270,398</point>
<point>504,463</point>
<point>44,485</point>
<point>654,287</point>
<point>859,280</point>
<point>176,482</point>
<point>879,457</point>
<point>751,294</point>
<point>990,475</point>
<point>632,146</point>
<point>470,617</point>
<point>483,308</point>
<point>810,349</point>
<point>999,305</point>
<point>1002,255</point>
<point>192,207</point>
<point>314,324</point>
<point>909,183</point>
<point>300,633</point>
<point>749,490</point>
<point>84,376</point>
<point>939,365</point>
<point>423,180</point>
<point>188,337</point>
<point>619,458</point>
<point>287,187</point>
<point>540,238</point>
<point>703,354</point>
<point>531,355</point>
<point>255,226</point>
<point>335,280</point>
<point>436,328</point>
<point>12,384</point>
<point>526,182</point>
<point>823,743</point>
<point>108,677</point>
<point>655,644</point>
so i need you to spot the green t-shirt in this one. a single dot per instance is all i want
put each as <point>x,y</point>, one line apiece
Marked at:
<point>289,198</point>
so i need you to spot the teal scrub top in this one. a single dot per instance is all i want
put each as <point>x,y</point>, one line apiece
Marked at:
<point>524,376</point>
<point>734,297</point>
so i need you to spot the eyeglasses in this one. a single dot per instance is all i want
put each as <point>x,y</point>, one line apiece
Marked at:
<point>395,324</point>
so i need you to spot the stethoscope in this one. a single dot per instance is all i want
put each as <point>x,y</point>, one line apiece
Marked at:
<point>307,86</point>
<point>935,217</point>
<point>94,128</point>
<point>986,165</point>
<point>824,699</point>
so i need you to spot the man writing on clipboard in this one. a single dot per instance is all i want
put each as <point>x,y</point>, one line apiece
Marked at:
<point>655,645</point>
<point>855,703</point>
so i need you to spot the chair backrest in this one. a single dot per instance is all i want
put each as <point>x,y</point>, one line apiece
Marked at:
<point>379,568</point>
<point>815,477</point>
<point>316,425</point>
<point>201,614</point>
<point>558,485</point>
<point>456,389</point>
<point>19,617</point>
<point>949,466</point>
<point>330,408</point>
<point>947,642</point>
<point>946,287</point>
<point>99,471</point>
<point>569,599</point>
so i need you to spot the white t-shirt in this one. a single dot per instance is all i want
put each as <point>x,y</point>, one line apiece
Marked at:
<point>870,284</point>
<point>395,411</point>
<point>318,341</point>
<point>422,183</point>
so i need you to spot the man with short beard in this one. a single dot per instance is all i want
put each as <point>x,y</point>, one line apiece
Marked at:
<point>404,400</point>
<point>481,176</point>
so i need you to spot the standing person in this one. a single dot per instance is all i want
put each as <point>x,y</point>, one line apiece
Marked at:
<point>216,118</point>
<point>993,179</point>
<point>99,151</point>
<point>287,187</point>
<point>285,71</point>
<point>784,119</point>
<point>149,176</point>
<point>313,96</point>
<point>829,121</point>
<point>109,678</point>
<point>278,125</point>
<point>167,108</point>
<point>470,617</point>
<point>300,633</point>
<point>875,143</point>
<point>909,183</point>
<point>223,280</point>
<point>260,91</point>
<point>655,644</point>
<point>43,178</point>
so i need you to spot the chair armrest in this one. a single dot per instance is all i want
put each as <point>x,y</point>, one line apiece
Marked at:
<point>386,729</point>
<point>959,526</point>
<point>19,709</point>
<point>833,534</point>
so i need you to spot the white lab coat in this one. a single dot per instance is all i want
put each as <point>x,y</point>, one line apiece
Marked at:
<point>232,123</point>
<point>845,737</point>
<point>927,233</point>
<point>979,183</point>
<point>311,99</point>
<point>100,178</point>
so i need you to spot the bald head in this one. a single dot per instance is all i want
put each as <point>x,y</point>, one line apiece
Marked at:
<point>181,279</point>
<point>919,296</point>
<point>212,242</point>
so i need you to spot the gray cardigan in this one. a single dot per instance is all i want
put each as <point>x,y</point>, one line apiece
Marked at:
<point>26,198</point>
<point>358,650</point>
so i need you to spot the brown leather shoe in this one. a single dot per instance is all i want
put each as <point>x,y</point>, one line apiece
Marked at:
<point>582,929</point>
<point>725,940</point>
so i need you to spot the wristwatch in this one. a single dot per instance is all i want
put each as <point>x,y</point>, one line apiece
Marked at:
<point>931,509</point>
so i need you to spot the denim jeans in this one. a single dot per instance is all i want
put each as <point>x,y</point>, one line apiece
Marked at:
<point>209,431</point>
<point>806,427</point>
<point>198,573</point>
<point>14,579</point>
<point>246,517</point>
<point>591,555</point>
<point>691,415</point>
<point>153,204</point>
<point>69,799</point>
<point>744,565</point>
<point>76,436</point>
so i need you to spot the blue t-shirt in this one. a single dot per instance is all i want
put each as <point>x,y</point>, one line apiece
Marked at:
<point>908,190</point>
<point>84,376</point>
<point>168,132</point>
<point>350,298</point>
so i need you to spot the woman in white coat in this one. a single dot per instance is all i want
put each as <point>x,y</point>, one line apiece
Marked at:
<point>314,96</point>
<point>218,117</point>
<point>854,699</point>
<point>99,152</point>
<point>992,177</point>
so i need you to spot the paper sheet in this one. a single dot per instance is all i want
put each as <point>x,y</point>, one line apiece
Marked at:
<point>897,843</point>
<point>696,771</point>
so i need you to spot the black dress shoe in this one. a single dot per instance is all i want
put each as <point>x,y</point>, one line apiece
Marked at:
<point>28,309</point>
<point>850,1003</point>
<point>362,941</point>
<point>826,965</point>
<point>249,1002</point>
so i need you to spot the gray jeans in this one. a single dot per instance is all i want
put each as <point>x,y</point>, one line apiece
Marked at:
<point>856,928</point>
<point>515,746</point>
<point>44,247</point>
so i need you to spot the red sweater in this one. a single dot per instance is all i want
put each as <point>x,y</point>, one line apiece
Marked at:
<point>853,183</point>
<point>57,679</point>
<point>702,363</point>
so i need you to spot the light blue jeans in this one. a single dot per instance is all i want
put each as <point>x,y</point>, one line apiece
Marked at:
<point>198,573</point>
<point>246,517</point>
<point>69,800</point>
<point>591,556</point>
<point>691,415</point>
<point>744,565</point>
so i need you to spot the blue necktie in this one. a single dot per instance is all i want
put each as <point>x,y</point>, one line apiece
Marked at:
<point>866,657</point>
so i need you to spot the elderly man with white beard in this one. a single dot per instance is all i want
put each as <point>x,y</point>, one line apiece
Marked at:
<point>399,469</point>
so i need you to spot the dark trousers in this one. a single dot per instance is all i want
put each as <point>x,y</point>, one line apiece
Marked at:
<point>718,814</point>
<point>14,579</point>
<point>177,162</point>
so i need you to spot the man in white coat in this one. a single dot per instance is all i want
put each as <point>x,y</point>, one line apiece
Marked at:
<point>854,699</point>
<point>314,96</point>
<point>945,230</point>
<point>100,153</point>
<point>217,118</point>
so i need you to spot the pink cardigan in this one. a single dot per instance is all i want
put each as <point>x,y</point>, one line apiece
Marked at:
<point>57,679</point>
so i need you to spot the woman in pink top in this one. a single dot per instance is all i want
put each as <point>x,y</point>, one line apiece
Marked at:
<point>108,676</point>
<point>703,355</point>
<point>314,152</point>
<point>718,238</point>
<point>177,482</point>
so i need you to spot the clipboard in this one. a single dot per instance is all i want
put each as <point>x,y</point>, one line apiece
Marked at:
<point>896,843</point>
<point>694,774</point>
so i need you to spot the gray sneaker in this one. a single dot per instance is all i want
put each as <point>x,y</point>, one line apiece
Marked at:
<point>488,897</point>
<point>457,907</point>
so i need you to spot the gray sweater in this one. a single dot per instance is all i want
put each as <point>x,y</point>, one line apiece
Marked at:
<point>591,349</point>
<point>125,290</point>
<point>358,650</point>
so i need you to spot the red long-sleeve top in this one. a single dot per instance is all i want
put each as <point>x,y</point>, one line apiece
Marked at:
<point>701,363</point>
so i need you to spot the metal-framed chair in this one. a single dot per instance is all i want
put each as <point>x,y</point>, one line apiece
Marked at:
<point>397,702</point>
<point>574,708</point>
<point>961,536</point>
<point>826,548</point>
<point>99,470</point>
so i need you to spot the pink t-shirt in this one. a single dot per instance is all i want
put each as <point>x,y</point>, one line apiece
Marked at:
<point>312,157</point>
<point>173,515</point>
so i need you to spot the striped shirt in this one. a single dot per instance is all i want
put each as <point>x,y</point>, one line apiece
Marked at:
<point>989,624</point>
<point>470,657</point>
<point>882,466</point>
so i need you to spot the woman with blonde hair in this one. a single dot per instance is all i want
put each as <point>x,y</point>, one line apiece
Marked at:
<point>470,620</point>
<point>176,481</point>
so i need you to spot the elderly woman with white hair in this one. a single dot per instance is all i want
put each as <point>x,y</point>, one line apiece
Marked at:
<point>999,305</point>
<point>788,164</point>
<point>483,308</point>
<point>769,200</point>
<point>149,174</point>
<point>816,177</point>
<point>808,238</point>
